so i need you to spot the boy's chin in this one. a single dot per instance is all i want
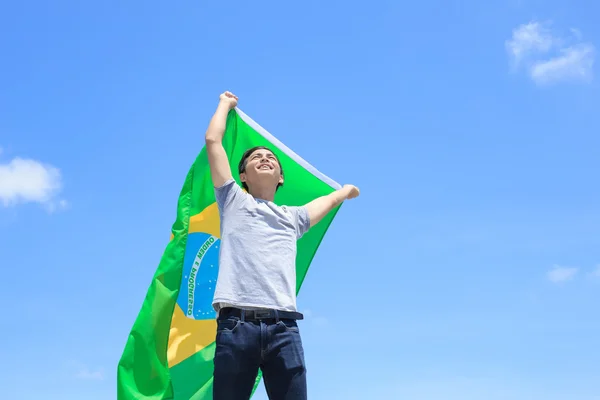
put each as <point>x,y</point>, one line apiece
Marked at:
<point>266,179</point>
<point>266,176</point>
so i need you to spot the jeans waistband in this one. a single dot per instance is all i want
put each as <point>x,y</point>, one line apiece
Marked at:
<point>257,315</point>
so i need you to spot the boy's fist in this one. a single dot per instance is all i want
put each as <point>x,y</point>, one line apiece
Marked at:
<point>229,98</point>
<point>352,191</point>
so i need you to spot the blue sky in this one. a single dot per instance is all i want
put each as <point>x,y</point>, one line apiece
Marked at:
<point>469,267</point>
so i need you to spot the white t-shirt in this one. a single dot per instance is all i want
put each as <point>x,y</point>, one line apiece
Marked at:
<point>257,259</point>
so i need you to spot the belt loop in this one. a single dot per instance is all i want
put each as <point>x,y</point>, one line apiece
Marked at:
<point>243,315</point>
<point>276,316</point>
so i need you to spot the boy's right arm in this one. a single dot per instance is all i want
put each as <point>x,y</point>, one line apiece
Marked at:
<point>217,158</point>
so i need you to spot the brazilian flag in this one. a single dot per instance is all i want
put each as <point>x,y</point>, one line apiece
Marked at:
<point>170,349</point>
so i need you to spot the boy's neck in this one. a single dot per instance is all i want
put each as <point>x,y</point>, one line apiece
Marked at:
<point>263,193</point>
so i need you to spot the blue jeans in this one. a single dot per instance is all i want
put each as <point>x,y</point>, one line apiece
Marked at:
<point>242,347</point>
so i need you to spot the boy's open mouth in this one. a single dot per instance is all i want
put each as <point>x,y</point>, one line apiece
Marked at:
<point>265,167</point>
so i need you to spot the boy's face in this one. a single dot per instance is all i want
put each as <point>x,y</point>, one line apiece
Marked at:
<point>262,166</point>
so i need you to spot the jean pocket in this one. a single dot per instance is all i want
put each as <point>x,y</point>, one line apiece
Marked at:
<point>289,325</point>
<point>227,325</point>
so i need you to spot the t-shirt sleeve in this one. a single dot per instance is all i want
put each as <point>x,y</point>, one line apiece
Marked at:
<point>300,219</point>
<point>228,194</point>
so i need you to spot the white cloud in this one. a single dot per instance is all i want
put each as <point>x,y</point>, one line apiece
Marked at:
<point>596,272</point>
<point>81,371</point>
<point>549,57</point>
<point>574,63</point>
<point>562,274</point>
<point>577,33</point>
<point>533,37</point>
<point>26,181</point>
<point>89,375</point>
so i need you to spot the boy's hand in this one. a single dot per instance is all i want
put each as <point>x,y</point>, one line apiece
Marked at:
<point>352,191</point>
<point>229,99</point>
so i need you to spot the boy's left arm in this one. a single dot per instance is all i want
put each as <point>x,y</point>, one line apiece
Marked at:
<point>321,206</point>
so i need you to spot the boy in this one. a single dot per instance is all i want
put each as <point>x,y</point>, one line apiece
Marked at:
<point>255,295</point>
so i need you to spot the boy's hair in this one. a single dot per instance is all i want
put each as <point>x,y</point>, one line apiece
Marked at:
<point>244,162</point>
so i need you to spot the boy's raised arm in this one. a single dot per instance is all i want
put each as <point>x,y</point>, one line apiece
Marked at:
<point>321,206</point>
<point>217,158</point>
